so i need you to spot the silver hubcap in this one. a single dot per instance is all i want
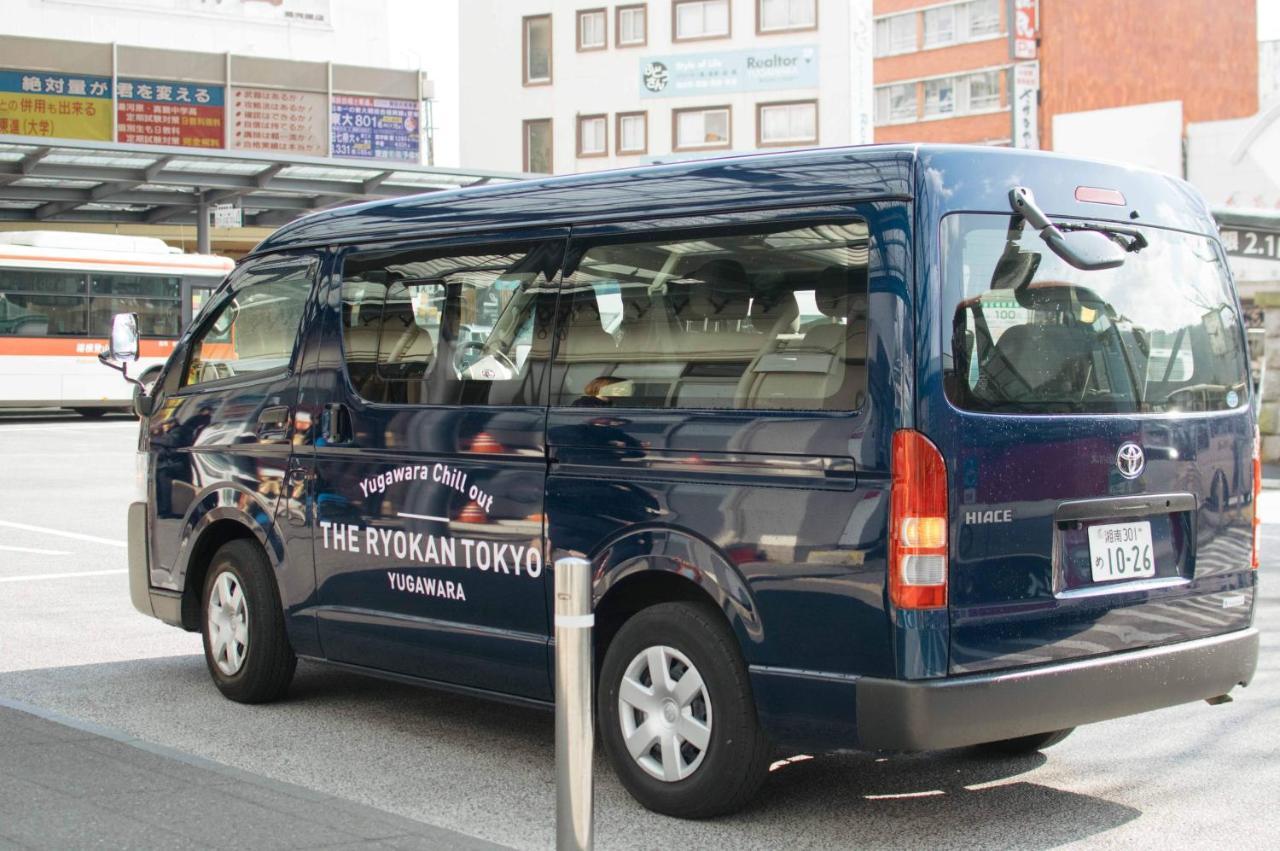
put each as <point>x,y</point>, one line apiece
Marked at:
<point>228,617</point>
<point>665,713</point>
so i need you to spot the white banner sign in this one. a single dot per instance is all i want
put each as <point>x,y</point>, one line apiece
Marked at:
<point>1026,105</point>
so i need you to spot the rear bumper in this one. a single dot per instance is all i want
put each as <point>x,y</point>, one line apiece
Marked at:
<point>960,711</point>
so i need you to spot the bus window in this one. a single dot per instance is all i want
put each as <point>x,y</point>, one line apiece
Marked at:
<point>38,303</point>
<point>153,297</point>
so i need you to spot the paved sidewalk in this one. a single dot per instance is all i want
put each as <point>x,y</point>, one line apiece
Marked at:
<point>66,784</point>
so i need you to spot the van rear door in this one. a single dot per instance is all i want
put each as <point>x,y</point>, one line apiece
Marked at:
<point>1098,439</point>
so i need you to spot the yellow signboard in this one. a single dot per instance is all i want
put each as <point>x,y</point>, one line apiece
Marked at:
<point>60,106</point>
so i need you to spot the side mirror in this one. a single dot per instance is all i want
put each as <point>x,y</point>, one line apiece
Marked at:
<point>124,337</point>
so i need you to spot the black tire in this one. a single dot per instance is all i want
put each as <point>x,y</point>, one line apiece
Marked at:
<point>736,759</point>
<point>1026,744</point>
<point>91,413</point>
<point>267,660</point>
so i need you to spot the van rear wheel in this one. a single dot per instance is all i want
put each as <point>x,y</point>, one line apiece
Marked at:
<point>677,716</point>
<point>1026,744</point>
<point>245,645</point>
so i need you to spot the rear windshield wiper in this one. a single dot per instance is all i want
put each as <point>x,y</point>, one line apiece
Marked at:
<point>1089,246</point>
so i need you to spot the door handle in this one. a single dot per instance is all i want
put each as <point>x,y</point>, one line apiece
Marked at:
<point>335,424</point>
<point>273,423</point>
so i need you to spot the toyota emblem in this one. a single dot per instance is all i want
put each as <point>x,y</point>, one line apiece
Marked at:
<point>1130,460</point>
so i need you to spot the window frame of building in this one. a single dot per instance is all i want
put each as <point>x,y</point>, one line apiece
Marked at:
<point>999,30</point>
<point>643,9</point>
<point>603,151</point>
<point>969,79</point>
<point>962,24</point>
<point>524,51</point>
<point>937,83</point>
<point>675,17</point>
<point>524,143</point>
<point>936,12</point>
<point>761,29</point>
<point>618,136</point>
<point>889,118</point>
<point>789,142</point>
<point>727,109</point>
<point>603,13</point>
<point>891,47</point>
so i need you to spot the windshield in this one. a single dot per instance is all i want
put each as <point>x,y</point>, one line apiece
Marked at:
<point>1036,336</point>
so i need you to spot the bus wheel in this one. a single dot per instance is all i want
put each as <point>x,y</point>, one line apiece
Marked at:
<point>677,715</point>
<point>1025,744</point>
<point>90,413</point>
<point>245,645</point>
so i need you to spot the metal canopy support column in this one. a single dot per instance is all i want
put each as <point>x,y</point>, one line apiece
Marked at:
<point>202,225</point>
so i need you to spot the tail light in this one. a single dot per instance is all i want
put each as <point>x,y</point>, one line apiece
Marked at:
<point>917,523</point>
<point>1257,492</point>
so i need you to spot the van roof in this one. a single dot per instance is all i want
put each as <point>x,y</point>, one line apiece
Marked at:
<point>955,174</point>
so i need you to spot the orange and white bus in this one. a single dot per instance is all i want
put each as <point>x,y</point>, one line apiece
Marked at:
<point>58,292</point>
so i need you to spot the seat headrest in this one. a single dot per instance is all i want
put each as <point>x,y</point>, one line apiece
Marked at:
<point>841,292</point>
<point>717,290</point>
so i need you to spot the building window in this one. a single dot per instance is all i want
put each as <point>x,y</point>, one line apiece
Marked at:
<point>593,135</point>
<point>939,26</point>
<point>787,123</point>
<point>632,26</point>
<point>592,29</point>
<point>783,15</point>
<point>537,146</point>
<point>960,22</point>
<point>896,34</point>
<point>699,19</point>
<point>896,104</point>
<point>633,132</point>
<point>939,97</point>
<point>537,50</point>
<point>983,90</point>
<point>984,18</point>
<point>700,129</point>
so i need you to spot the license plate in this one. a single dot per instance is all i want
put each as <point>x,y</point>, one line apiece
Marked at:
<point>1121,551</point>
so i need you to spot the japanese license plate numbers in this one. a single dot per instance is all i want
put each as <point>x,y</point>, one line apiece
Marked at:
<point>1121,551</point>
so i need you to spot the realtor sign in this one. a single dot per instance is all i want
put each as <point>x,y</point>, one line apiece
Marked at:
<point>729,71</point>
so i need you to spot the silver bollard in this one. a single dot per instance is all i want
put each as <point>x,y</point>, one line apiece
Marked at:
<point>575,736</point>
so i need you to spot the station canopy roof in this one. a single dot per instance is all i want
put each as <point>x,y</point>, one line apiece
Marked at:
<point>61,180</point>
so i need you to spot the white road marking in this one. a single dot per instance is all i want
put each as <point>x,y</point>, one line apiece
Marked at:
<point>33,551</point>
<point>422,517</point>
<point>56,427</point>
<point>76,575</point>
<point>111,542</point>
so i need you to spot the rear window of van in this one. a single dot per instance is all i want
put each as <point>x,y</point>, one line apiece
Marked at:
<point>1030,334</point>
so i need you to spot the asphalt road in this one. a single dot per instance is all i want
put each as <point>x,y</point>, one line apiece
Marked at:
<point>70,643</point>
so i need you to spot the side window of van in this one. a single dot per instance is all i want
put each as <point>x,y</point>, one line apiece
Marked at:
<point>255,329</point>
<point>470,326</point>
<point>766,317</point>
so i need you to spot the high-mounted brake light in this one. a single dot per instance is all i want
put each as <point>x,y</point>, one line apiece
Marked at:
<point>1098,195</point>
<point>1257,492</point>
<point>917,523</point>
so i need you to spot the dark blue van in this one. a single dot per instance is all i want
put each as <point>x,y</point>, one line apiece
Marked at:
<point>886,447</point>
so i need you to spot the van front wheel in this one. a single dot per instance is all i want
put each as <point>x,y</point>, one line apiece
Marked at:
<point>1026,744</point>
<point>677,716</point>
<point>245,645</point>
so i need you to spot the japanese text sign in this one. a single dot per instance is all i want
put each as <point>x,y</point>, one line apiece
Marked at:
<point>62,106</point>
<point>169,112</point>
